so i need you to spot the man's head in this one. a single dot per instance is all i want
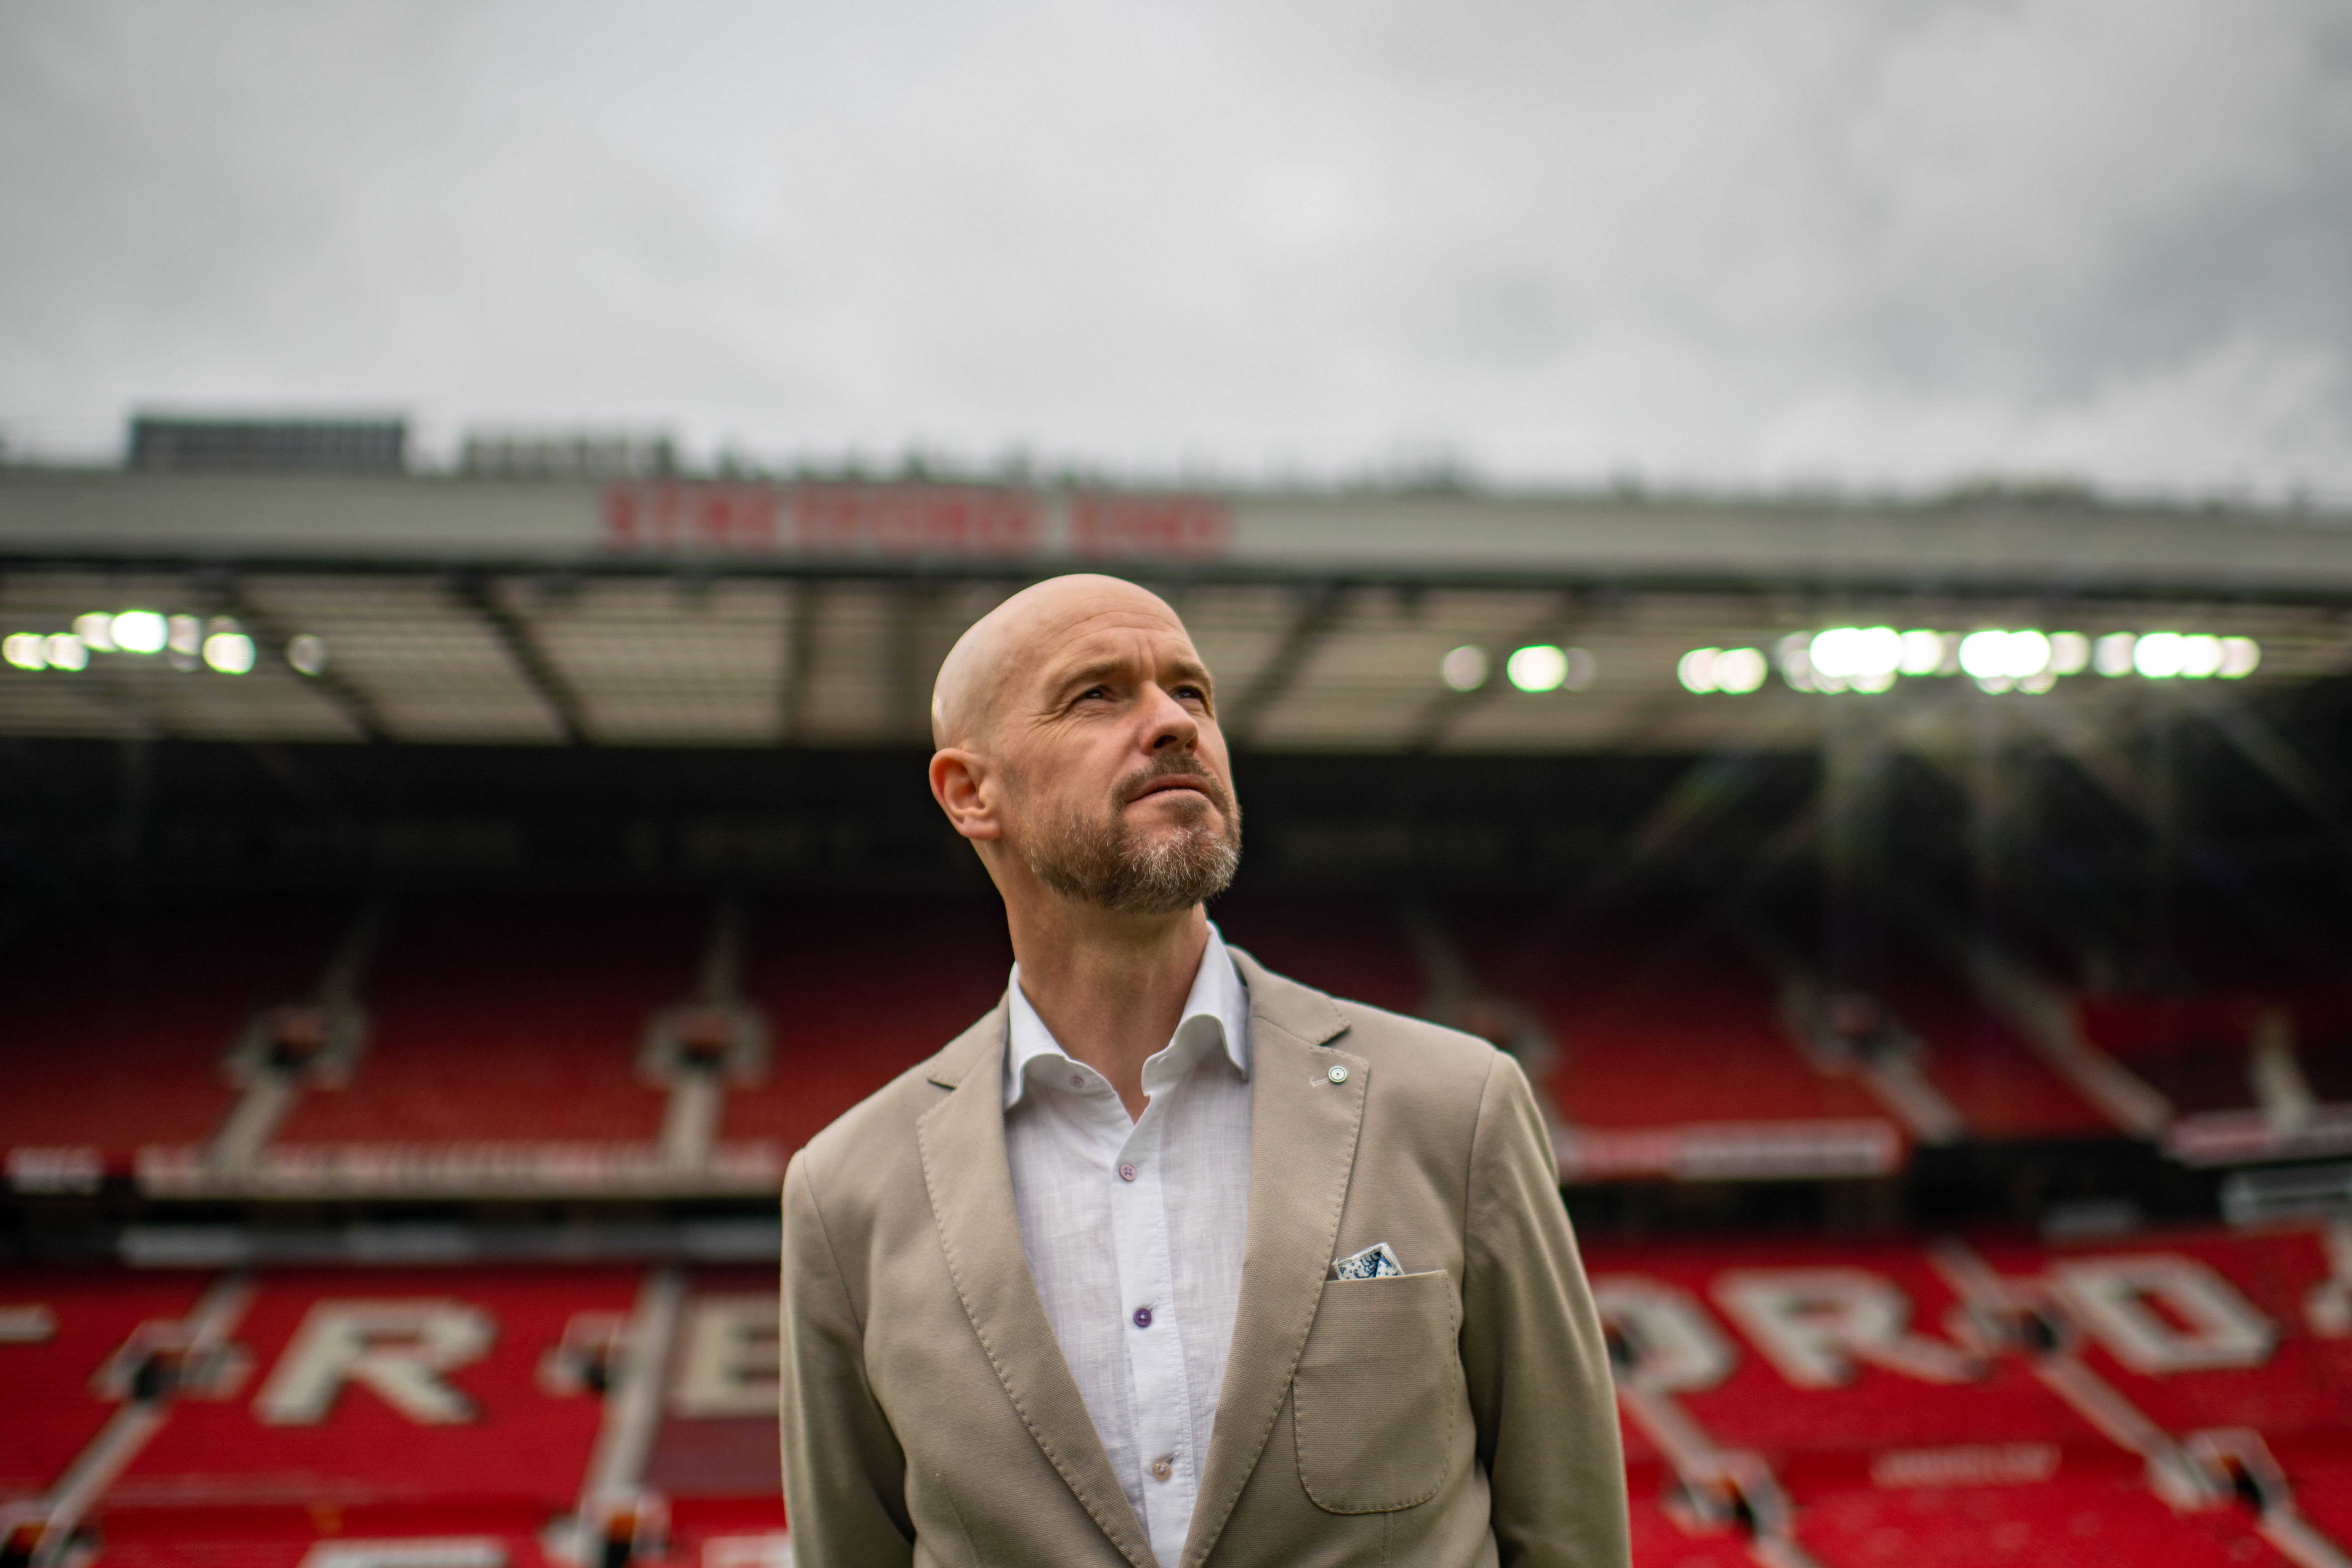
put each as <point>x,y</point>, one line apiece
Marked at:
<point>1078,749</point>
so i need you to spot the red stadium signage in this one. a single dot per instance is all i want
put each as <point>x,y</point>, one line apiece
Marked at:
<point>913,522</point>
<point>1173,527</point>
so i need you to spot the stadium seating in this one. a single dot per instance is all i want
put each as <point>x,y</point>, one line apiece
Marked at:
<point>1352,948</point>
<point>1672,1060</point>
<point>506,1023</point>
<point>463,1403</point>
<point>1991,1077</point>
<point>115,1025</point>
<point>511,1019</point>
<point>856,990</point>
<point>463,1425</point>
<point>2104,1521</point>
<point>58,1327</point>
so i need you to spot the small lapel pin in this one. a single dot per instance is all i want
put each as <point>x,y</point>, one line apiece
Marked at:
<point>1338,1075</point>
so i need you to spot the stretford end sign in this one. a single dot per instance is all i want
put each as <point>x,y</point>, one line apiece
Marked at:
<point>436,521</point>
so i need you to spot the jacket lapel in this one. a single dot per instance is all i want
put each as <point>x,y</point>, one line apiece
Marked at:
<point>970,1188</point>
<point>1302,1150</point>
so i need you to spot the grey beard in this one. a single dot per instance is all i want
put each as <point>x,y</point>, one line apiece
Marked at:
<point>1105,864</point>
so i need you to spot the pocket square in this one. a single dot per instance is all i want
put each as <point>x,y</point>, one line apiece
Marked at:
<point>1375,1262</point>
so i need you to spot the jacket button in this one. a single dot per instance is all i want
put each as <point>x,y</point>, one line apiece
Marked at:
<point>1338,1075</point>
<point>1143,1317</point>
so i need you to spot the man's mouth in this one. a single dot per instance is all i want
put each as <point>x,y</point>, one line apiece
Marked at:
<point>1199,786</point>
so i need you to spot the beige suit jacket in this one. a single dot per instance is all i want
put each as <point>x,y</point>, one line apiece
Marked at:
<point>1459,1414</point>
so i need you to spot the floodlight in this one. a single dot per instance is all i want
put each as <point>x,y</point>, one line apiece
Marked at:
<point>2111,655</point>
<point>1796,662</point>
<point>25,650</point>
<point>66,651</point>
<point>2159,656</point>
<point>2200,655</point>
<point>96,630</point>
<point>1538,667</point>
<point>2026,654</point>
<point>1739,671</point>
<point>1847,652</point>
<point>2070,653</point>
<point>1985,654</point>
<point>1923,653</point>
<point>231,653</point>
<point>1697,669</point>
<point>2239,657</point>
<point>139,631</point>
<point>187,635</point>
<point>1464,669</point>
<point>307,654</point>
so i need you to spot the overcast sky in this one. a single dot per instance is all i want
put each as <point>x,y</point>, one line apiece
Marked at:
<point>1747,243</point>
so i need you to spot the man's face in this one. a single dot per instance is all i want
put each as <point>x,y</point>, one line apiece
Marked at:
<point>1118,788</point>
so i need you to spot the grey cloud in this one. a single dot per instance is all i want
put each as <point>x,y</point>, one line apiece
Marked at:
<point>1730,243</point>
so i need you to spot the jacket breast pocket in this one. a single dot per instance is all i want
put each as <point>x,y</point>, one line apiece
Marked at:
<point>1378,1385</point>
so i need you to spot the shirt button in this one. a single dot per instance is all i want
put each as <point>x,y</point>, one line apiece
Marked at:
<point>1077,1081</point>
<point>1126,1172</point>
<point>1143,1317</point>
<point>1162,1467</point>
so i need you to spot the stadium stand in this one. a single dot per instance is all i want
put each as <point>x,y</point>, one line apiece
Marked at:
<point>2093,1522</point>
<point>1997,1082</point>
<point>57,1329</point>
<point>1350,947</point>
<point>1673,1058</point>
<point>856,990</point>
<point>350,1371</point>
<point>117,1022</point>
<point>1846,1404</point>
<point>513,1018</point>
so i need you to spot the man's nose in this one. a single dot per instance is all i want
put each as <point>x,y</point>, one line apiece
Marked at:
<point>1172,725</point>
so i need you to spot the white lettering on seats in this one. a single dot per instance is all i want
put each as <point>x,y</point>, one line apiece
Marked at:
<point>1818,1324</point>
<point>450,1552</point>
<point>27,1325</point>
<point>398,1349</point>
<point>730,1364</point>
<point>1965,1465</point>
<point>2203,1323</point>
<point>771,1551</point>
<point>1673,1345</point>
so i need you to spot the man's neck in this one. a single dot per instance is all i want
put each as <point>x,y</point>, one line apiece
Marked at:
<point>1111,988</point>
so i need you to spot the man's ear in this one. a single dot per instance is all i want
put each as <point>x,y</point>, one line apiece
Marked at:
<point>959,783</point>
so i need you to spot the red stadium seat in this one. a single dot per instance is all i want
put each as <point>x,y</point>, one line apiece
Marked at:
<point>511,1020</point>
<point>855,991</point>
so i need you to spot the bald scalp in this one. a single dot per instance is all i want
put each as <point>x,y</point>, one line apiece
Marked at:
<point>968,699</point>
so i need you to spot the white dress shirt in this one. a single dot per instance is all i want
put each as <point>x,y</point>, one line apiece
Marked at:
<point>1134,1231</point>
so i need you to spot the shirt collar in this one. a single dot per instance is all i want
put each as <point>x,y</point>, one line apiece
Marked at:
<point>1216,1011</point>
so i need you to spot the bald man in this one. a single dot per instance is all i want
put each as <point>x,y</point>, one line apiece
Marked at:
<point>1168,1259</point>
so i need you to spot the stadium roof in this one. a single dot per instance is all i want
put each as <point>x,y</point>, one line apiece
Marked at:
<point>656,610</point>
